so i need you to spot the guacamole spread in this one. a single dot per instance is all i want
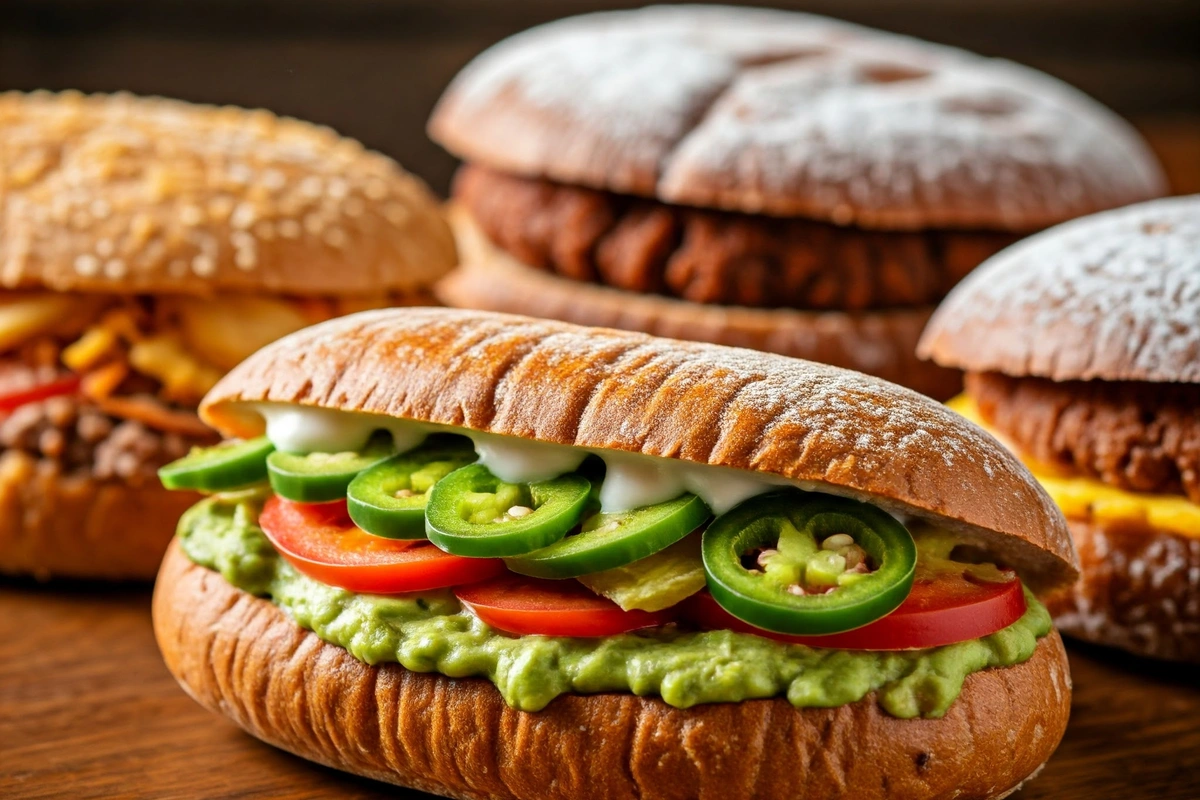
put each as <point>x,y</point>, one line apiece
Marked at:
<point>432,632</point>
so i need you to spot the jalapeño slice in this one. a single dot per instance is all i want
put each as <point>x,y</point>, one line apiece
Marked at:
<point>471,512</point>
<point>228,465</point>
<point>766,564</point>
<point>322,477</point>
<point>607,541</point>
<point>389,498</point>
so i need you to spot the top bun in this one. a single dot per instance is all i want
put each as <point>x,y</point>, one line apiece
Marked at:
<point>124,194</point>
<point>828,428</point>
<point>789,114</point>
<point>1114,296</point>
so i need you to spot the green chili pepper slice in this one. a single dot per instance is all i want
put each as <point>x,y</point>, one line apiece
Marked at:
<point>228,465</point>
<point>766,565</point>
<point>389,498</point>
<point>321,477</point>
<point>471,512</point>
<point>607,541</point>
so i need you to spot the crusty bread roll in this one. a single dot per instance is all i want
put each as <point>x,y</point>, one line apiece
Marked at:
<point>1110,298</point>
<point>122,195</point>
<point>75,526</point>
<point>823,427</point>
<point>774,114</point>
<point>242,657</point>
<point>880,343</point>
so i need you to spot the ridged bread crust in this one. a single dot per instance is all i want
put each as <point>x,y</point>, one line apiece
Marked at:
<point>792,115</point>
<point>242,657</point>
<point>1114,296</point>
<point>824,427</point>
<point>73,526</point>
<point>116,193</point>
<point>1139,591</point>
<point>880,343</point>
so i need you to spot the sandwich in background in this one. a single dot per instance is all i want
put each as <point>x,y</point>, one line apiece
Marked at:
<point>1082,352</point>
<point>146,246</point>
<point>760,178</point>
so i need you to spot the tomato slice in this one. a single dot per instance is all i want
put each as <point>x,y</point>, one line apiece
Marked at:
<point>553,608</point>
<point>68,384</point>
<point>321,541</point>
<point>952,608</point>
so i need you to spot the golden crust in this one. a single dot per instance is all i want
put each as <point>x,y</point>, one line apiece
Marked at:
<point>1139,591</point>
<point>792,115</point>
<point>116,193</point>
<point>821,426</point>
<point>56,526</point>
<point>242,657</point>
<point>880,343</point>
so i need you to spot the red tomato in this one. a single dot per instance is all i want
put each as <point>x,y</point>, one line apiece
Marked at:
<point>59,386</point>
<point>319,540</point>
<point>523,605</point>
<point>952,608</point>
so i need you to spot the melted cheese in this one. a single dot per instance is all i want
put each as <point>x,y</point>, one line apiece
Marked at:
<point>1085,498</point>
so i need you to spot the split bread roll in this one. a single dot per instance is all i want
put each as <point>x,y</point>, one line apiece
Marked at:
<point>824,428</point>
<point>146,245</point>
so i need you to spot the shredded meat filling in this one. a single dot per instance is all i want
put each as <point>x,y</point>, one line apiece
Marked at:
<point>715,257</point>
<point>1139,436</point>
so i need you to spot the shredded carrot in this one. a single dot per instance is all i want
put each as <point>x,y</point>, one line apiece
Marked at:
<point>153,414</point>
<point>102,382</point>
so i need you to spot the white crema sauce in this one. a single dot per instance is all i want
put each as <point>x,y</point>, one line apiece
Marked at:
<point>631,480</point>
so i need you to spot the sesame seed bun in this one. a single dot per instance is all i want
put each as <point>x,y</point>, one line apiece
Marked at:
<point>115,193</point>
<point>826,428</point>
<point>1114,296</point>
<point>787,114</point>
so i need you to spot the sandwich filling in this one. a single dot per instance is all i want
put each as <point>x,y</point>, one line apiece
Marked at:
<point>550,569</point>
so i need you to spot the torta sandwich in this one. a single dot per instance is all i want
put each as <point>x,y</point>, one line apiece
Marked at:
<point>761,178</point>
<point>146,246</point>
<point>1082,351</point>
<point>488,556</point>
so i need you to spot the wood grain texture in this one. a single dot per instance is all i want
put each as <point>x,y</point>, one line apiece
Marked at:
<point>88,710</point>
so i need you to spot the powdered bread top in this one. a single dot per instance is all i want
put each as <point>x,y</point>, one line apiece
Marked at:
<point>1115,296</point>
<point>837,430</point>
<point>119,193</point>
<point>792,115</point>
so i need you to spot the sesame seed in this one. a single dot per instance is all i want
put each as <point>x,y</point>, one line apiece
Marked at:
<point>240,174</point>
<point>105,248</point>
<point>274,180</point>
<point>311,186</point>
<point>289,229</point>
<point>243,216</point>
<point>242,239</point>
<point>87,264</point>
<point>219,208</point>
<point>115,268</point>
<point>314,224</point>
<point>204,265</point>
<point>245,259</point>
<point>338,188</point>
<point>191,216</point>
<point>100,209</point>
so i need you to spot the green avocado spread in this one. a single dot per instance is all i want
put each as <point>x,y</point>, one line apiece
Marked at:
<point>432,632</point>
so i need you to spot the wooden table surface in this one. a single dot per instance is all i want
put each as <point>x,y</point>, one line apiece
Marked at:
<point>87,710</point>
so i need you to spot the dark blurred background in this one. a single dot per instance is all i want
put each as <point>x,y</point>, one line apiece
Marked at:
<point>374,68</point>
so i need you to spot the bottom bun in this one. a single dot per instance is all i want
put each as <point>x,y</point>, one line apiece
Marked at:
<point>1139,591</point>
<point>880,343</point>
<point>242,657</point>
<point>73,526</point>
